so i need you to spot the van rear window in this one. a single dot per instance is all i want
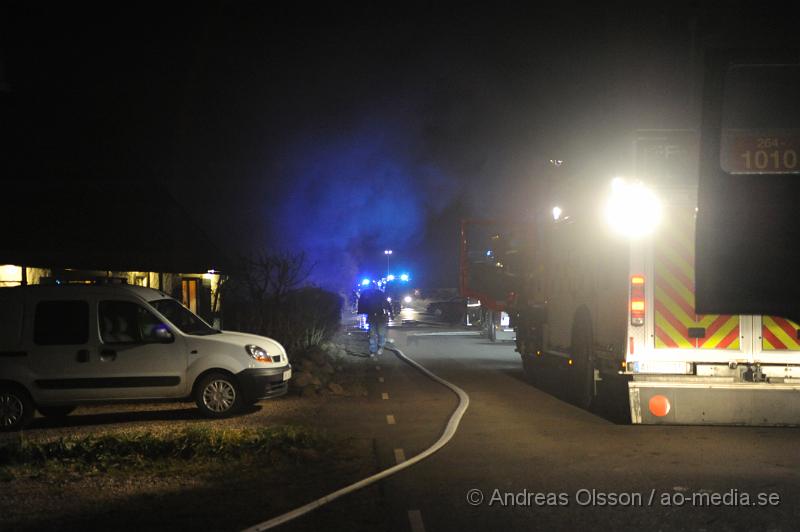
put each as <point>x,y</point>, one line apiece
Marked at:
<point>61,323</point>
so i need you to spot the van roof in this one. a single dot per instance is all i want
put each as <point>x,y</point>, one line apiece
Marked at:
<point>148,294</point>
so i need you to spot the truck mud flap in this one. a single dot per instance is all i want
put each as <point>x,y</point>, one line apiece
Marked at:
<point>662,403</point>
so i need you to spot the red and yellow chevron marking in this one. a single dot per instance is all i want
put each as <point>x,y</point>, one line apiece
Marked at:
<point>779,334</point>
<point>674,292</point>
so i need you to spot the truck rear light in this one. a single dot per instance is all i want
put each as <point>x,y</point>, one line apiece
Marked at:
<point>637,306</point>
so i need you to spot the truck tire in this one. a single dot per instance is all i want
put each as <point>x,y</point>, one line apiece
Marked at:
<point>533,373</point>
<point>491,327</point>
<point>16,408</point>
<point>582,371</point>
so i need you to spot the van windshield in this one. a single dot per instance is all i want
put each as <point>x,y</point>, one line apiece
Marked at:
<point>183,318</point>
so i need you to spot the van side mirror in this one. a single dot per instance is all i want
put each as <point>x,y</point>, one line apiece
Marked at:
<point>163,335</point>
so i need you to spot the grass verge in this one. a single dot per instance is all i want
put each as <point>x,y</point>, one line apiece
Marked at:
<point>209,478</point>
<point>144,449</point>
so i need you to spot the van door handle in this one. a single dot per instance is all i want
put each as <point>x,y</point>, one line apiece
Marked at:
<point>108,355</point>
<point>82,355</point>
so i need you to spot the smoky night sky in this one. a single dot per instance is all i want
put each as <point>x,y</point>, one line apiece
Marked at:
<point>345,131</point>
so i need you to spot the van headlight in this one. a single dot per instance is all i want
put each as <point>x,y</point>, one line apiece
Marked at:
<point>258,353</point>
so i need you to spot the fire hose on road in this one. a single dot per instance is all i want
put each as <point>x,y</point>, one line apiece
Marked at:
<point>447,435</point>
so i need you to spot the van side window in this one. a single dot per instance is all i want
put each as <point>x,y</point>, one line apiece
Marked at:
<point>123,322</point>
<point>11,321</point>
<point>61,323</point>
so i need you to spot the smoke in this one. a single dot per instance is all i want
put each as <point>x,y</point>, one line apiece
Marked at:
<point>345,196</point>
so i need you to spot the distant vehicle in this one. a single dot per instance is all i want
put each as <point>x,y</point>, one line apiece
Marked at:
<point>450,310</point>
<point>61,346</point>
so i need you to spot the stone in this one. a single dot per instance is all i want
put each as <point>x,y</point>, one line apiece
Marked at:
<point>302,379</point>
<point>318,357</point>
<point>336,388</point>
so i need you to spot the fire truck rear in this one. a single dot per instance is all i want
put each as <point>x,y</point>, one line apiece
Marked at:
<point>611,291</point>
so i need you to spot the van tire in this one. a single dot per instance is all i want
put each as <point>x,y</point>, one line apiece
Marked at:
<point>16,408</point>
<point>218,395</point>
<point>55,411</point>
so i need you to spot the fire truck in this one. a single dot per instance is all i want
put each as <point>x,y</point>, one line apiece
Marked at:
<point>670,279</point>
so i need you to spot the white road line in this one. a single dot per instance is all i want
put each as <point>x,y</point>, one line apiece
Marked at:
<point>390,419</point>
<point>380,379</point>
<point>448,333</point>
<point>399,456</point>
<point>384,396</point>
<point>447,435</point>
<point>415,519</point>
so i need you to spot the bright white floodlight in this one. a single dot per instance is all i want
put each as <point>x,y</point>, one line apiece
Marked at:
<point>632,209</point>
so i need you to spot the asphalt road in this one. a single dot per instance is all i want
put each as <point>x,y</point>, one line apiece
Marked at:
<point>539,463</point>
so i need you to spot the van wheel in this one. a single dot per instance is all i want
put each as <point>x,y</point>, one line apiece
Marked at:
<point>16,408</point>
<point>218,395</point>
<point>55,411</point>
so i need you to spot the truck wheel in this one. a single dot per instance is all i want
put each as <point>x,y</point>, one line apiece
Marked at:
<point>492,328</point>
<point>532,372</point>
<point>217,395</point>
<point>582,378</point>
<point>55,411</point>
<point>16,408</point>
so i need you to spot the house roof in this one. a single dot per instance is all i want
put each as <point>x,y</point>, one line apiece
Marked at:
<point>112,225</point>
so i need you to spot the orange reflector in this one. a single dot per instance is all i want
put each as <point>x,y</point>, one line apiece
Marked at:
<point>630,343</point>
<point>569,362</point>
<point>659,405</point>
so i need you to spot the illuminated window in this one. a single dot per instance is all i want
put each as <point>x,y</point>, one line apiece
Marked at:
<point>10,275</point>
<point>189,293</point>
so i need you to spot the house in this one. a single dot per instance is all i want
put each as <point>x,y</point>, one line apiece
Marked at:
<point>108,231</point>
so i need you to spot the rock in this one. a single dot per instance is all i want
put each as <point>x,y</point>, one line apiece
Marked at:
<point>327,368</point>
<point>315,381</point>
<point>336,388</point>
<point>302,379</point>
<point>318,356</point>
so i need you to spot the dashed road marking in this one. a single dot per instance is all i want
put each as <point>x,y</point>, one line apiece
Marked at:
<point>380,379</point>
<point>399,456</point>
<point>384,396</point>
<point>415,519</point>
<point>390,419</point>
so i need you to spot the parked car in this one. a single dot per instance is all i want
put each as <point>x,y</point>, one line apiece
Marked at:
<point>450,310</point>
<point>61,346</point>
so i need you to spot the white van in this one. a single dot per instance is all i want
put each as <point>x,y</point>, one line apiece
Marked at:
<point>61,346</point>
